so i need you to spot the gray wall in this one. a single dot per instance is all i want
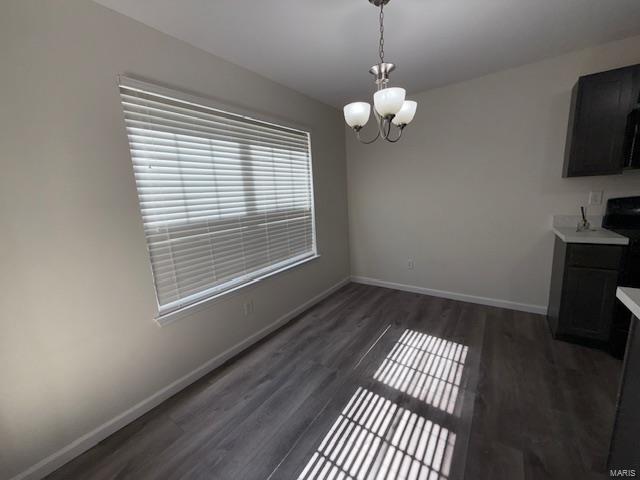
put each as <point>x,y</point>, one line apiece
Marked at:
<point>78,343</point>
<point>470,191</point>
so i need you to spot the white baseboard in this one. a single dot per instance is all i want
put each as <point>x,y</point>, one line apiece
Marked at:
<point>88,440</point>
<point>492,302</point>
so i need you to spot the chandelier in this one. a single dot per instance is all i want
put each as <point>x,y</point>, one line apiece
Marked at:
<point>389,105</point>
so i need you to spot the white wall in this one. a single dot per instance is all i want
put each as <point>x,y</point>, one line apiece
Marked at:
<point>469,192</point>
<point>78,344</point>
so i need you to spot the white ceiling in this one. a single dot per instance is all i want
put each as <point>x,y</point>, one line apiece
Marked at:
<point>324,48</point>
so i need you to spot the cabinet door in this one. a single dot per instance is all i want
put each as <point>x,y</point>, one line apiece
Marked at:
<point>598,118</point>
<point>588,303</point>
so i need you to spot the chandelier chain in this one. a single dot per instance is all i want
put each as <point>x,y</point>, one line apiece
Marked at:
<point>381,48</point>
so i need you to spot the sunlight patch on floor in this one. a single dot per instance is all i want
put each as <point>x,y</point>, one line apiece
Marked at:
<point>426,367</point>
<point>375,439</point>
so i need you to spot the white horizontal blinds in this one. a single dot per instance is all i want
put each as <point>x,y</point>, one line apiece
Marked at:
<point>224,198</point>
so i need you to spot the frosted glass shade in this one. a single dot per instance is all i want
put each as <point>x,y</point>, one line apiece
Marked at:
<point>389,101</point>
<point>406,113</point>
<point>356,114</point>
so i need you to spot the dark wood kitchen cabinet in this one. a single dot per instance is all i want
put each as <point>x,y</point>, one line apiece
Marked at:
<point>583,291</point>
<point>600,104</point>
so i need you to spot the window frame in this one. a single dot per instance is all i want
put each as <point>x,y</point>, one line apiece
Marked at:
<point>199,304</point>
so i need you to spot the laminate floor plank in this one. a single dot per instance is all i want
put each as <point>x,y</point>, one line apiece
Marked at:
<point>556,401</point>
<point>373,383</point>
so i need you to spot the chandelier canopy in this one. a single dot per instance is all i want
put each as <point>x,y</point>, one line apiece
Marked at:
<point>389,104</point>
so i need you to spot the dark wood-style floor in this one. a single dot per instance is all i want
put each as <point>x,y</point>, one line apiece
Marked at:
<point>374,383</point>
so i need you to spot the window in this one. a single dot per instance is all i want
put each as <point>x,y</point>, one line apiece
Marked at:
<point>225,199</point>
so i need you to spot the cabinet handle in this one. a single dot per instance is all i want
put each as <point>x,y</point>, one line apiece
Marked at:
<point>634,136</point>
<point>634,144</point>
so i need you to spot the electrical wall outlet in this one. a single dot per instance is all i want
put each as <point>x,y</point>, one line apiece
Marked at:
<point>410,264</point>
<point>247,308</point>
<point>595,198</point>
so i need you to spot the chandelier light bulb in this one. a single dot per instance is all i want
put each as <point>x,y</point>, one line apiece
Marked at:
<point>388,101</point>
<point>406,113</point>
<point>356,114</point>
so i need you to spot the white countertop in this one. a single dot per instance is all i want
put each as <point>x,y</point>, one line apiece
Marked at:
<point>631,299</point>
<point>599,235</point>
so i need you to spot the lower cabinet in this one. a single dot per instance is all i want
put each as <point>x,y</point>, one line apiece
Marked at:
<point>588,302</point>
<point>583,291</point>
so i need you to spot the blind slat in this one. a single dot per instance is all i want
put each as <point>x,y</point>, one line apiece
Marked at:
<point>165,145</point>
<point>221,142</point>
<point>224,199</point>
<point>166,107</point>
<point>228,136</point>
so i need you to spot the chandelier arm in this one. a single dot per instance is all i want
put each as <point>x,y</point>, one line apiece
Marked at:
<point>385,128</point>
<point>367,142</point>
<point>390,140</point>
<point>379,123</point>
<point>384,125</point>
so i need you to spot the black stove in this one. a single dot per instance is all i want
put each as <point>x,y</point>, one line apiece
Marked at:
<point>623,217</point>
<point>631,234</point>
<point>623,213</point>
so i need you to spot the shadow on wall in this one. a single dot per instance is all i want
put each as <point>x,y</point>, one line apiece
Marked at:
<point>539,254</point>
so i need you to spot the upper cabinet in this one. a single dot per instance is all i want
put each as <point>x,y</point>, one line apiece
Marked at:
<point>601,108</point>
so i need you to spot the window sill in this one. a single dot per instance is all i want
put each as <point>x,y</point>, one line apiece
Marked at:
<point>201,305</point>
